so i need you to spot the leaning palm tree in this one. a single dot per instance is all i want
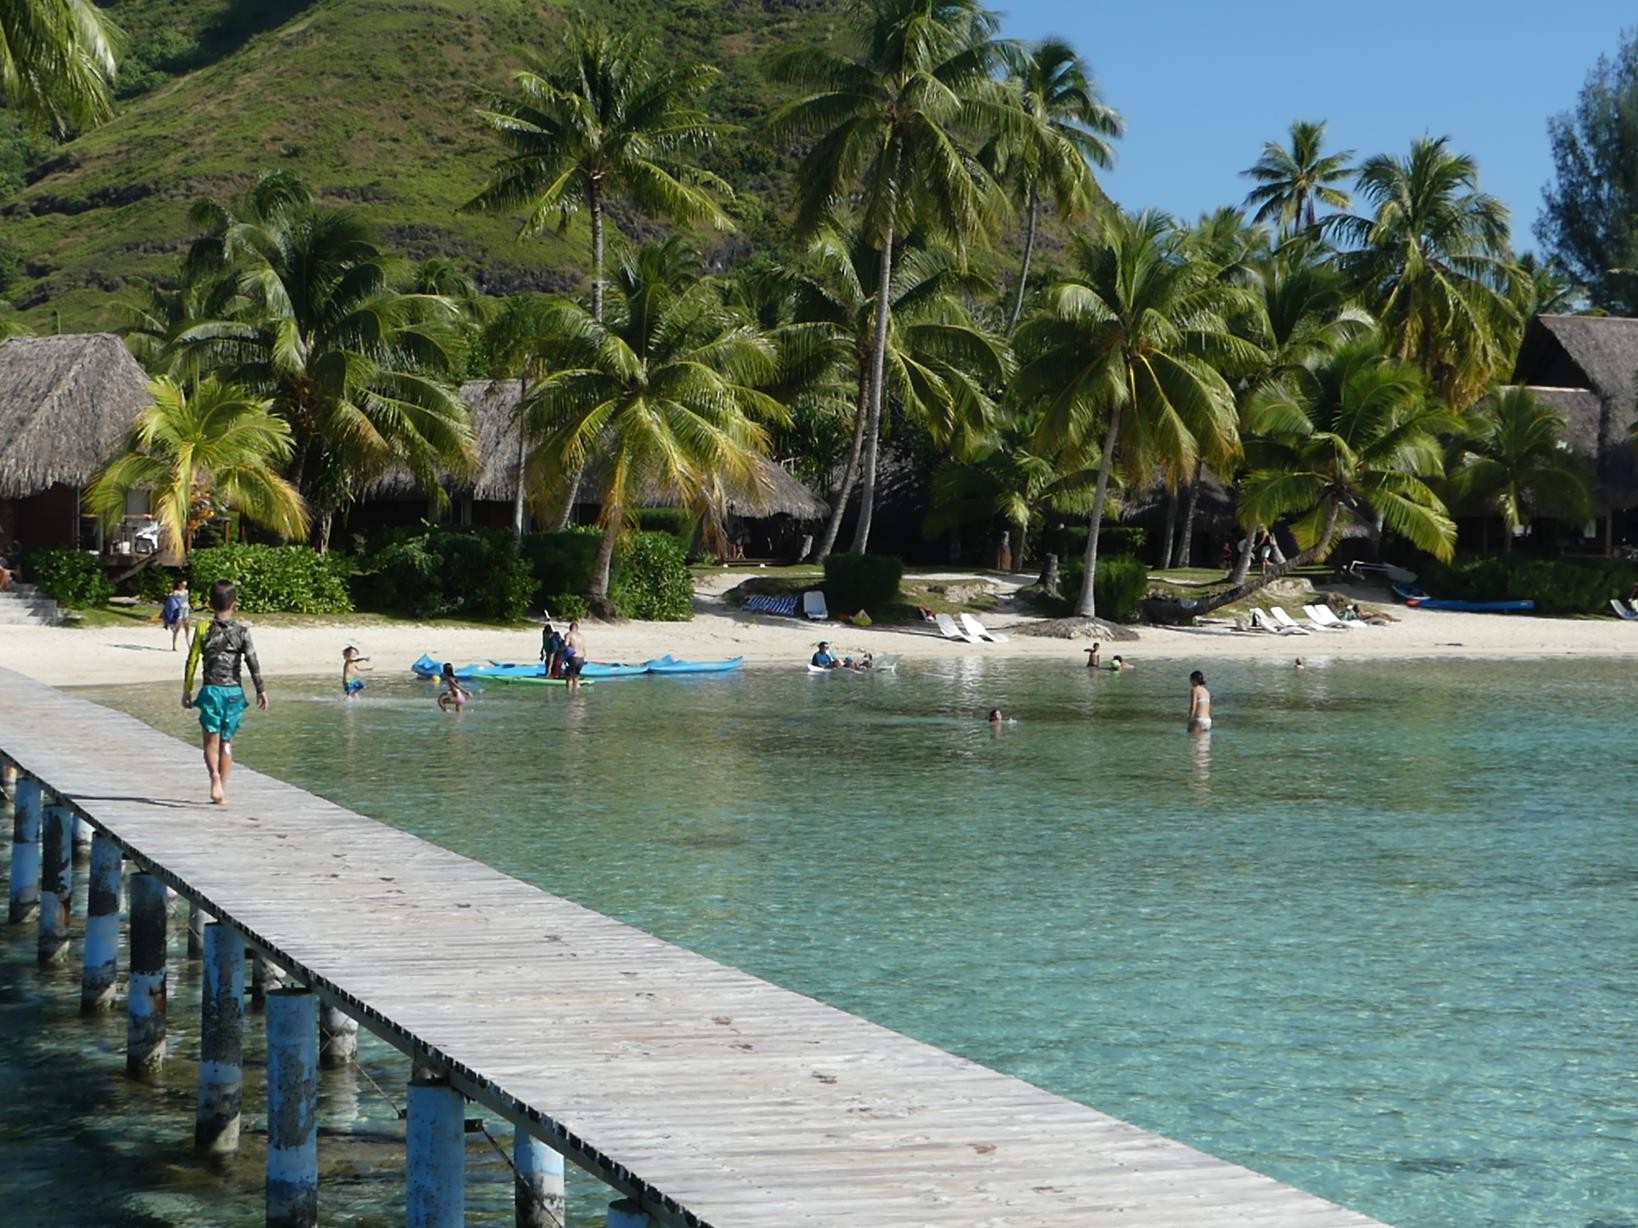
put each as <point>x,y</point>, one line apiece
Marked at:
<point>603,123</point>
<point>1068,130</point>
<point>1292,181</point>
<point>214,447</point>
<point>1132,348</point>
<point>887,124</point>
<point>1433,263</point>
<point>56,62</point>
<point>1512,461</point>
<point>363,372</point>
<point>664,395</point>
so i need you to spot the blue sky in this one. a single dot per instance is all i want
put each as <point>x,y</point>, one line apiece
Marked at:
<point>1203,83</point>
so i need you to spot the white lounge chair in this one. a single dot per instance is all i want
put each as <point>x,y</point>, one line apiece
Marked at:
<point>813,605</point>
<point>950,630</point>
<point>1261,621</point>
<point>1623,611</point>
<point>1322,618</point>
<point>1285,622</point>
<point>973,627</point>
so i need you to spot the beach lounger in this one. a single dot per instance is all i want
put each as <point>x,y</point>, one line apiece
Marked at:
<point>1322,618</point>
<point>1261,621</point>
<point>975,628</point>
<point>1623,611</point>
<point>948,628</point>
<point>1285,622</point>
<point>813,605</point>
<point>768,603</point>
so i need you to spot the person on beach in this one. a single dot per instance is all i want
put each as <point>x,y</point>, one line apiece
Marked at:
<point>176,614</point>
<point>551,651</point>
<point>1199,704</point>
<point>823,659</point>
<point>221,647</point>
<point>454,695</point>
<point>574,655</point>
<point>351,667</point>
<point>1094,657</point>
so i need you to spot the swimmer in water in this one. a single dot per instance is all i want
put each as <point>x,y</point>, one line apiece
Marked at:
<point>1199,704</point>
<point>1300,664</point>
<point>996,718</point>
<point>1094,658</point>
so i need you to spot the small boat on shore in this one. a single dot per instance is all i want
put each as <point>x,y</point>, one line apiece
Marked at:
<point>535,671</point>
<point>670,665</point>
<point>1418,600</point>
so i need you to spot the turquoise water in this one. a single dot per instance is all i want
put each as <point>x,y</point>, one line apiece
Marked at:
<point>1375,936</point>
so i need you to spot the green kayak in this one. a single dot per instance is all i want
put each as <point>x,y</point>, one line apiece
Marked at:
<point>528,680</point>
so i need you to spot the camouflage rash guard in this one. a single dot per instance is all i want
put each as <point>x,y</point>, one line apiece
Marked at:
<point>221,646</point>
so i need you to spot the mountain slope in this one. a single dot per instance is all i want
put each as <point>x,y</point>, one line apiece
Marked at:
<point>370,102</point>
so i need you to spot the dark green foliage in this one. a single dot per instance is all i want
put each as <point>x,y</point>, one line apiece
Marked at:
<point>10,261</point>
<point>1121,585</point>
<point>566,605</point>
<point>73,577</point>
<point>855,582</point>
<point>1557,586</point>
<point>672,520</point>
<point>651,580</point>
<point>1589,217</point>
<point>443,572</point>
<point>150,584</point>
<point>20,148</point>
<point>154,60</point>
<point>1114,540</point>
<point>562,562</point>
<point>275,579</point>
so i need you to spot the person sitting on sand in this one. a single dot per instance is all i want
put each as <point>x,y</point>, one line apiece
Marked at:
<point>1199,704</point>
<point>1094,657</point>
<point>823,659</point>
<point>351,666</point>
<point>454,695</point>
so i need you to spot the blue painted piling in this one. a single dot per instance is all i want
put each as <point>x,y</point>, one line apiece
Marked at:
<point>538,1185</point>
<point>25,852</point>
<point>146,988</point>
<point>56,885</point>
<point>435,1161</point>
<point>83,833</point>
<point>292,1109</point>
<point>338,1037</point>
<point>221,1042</point>
<point>101,973</point>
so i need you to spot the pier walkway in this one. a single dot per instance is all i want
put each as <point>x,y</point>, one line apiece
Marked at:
<point>711,1097</point>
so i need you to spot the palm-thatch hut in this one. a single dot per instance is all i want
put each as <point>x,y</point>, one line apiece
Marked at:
<point>66,404</point>
<point>766,517</point>
<point>1586,367</point>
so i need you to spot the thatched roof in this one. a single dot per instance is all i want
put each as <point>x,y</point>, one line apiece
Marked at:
<point>1586,367</point>
<point>493,405</point>
<point>66,404</point>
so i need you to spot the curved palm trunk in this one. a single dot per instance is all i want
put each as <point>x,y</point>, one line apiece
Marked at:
<point>1186,546</point>
<point>850,471</point>
<point>599,593</point>
<point>1244,587</point>
<point>1168,543</point>
<point>878,362</point>
<point>1029,252</point>
<point>523,471</point>
<point>595,207</point>
<point>1086,606</point>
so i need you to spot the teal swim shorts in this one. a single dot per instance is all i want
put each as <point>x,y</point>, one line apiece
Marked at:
<point>220,710</point>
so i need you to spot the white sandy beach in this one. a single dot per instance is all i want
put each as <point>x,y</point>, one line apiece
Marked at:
<point>70,656</point>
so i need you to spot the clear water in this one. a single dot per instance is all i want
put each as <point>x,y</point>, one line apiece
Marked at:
<point>1374,936</point>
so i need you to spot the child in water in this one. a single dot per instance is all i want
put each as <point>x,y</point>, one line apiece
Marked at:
<point>454,695</point>
<point>351,666</point>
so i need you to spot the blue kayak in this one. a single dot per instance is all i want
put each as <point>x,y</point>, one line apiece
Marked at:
<point>1418,600</point>
<point>668,665</point>
<point>612,669</point>
<point>427,667</point>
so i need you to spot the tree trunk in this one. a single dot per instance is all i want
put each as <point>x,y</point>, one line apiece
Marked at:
<point>1507,539</point>
<point>599,593</point>
<point>1169,531</point>
<point>850,471</point>
<point>1087,606</point>
<point>878,362</point>
<point>1029,251</point>
<point>1242,562</point>
<point>1020,550</point>
<point>595,206</point>
<point>1049,575</point>
<point>1187,559</point>
<point>326,519</point>
<point>1244,587</point>
<point>523,471</point>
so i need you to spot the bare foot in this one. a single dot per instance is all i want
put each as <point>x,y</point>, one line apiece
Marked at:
<point>217,796</point>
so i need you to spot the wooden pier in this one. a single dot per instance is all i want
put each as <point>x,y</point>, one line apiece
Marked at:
<point>700,1094</point>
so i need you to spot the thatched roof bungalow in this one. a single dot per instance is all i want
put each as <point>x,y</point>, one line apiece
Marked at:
<point>66,404</point>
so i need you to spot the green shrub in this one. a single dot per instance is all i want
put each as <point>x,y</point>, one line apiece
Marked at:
<point>1557,586</point>
<point>275,579</point>
<point>562,562</point>
<point>153,583</point>
<point>1114,540</point>
<point>673,520</point>
<point>437,572</point>
<point>566,605</point>
<point>650,578</point>
<point>855,582</point>
<point>73,577</point>
<point>1121,585</point>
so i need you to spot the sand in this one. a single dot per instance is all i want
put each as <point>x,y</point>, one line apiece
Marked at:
<point>71,656</point>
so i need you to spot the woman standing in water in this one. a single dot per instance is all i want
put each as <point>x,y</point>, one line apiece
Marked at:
<point>1199,704</point>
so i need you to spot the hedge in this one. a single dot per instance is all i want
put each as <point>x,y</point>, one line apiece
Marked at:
<point>1121,585</point>
<point>73,577</point>
<point>650,578</point>
<point>1114,540</point>
<point>1557,586</point>
<point>275,579</point>
<point>444,572</point>
<point>855,582</point>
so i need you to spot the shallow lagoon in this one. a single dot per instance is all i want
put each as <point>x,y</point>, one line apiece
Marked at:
<point>1374,936</point>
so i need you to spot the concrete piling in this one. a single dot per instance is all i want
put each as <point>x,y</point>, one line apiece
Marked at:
<point>292,1109</point>
<point>627,1213</point>
<point>83,834</point>
<point>538,1184</point>
<point>101,928</point>
<point>9,775</point>
<point>146,987</point>
<point>338,1037</point>
<point>435,1160</point>
<point>25,852</point>
<point>56,885</point>
<point>196,929</point>
<point>221,1042</point>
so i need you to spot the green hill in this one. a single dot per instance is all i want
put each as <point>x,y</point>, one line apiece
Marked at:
<point>370,102</point>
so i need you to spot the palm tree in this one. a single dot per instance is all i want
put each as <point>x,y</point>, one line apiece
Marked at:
<point>363,373</point>
<point>214,447</point>
<point>520,343</point>
<point>665,393</point>
<point>1132,348</point>
<point>1357,440</point>
<point>56,62</point>
<point>887,124</point>
<point>940,364</point>
<point>1434,265</point>
<point>1512,460</point>
<point>603,123</point>
<point>1068,130</point>
<point>1292,181</point>
<point>1552,290</point>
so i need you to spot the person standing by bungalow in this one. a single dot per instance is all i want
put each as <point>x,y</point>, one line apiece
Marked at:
<point>222,646</point>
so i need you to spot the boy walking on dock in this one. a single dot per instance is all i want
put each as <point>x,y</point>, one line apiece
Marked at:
<point>221,646</point>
